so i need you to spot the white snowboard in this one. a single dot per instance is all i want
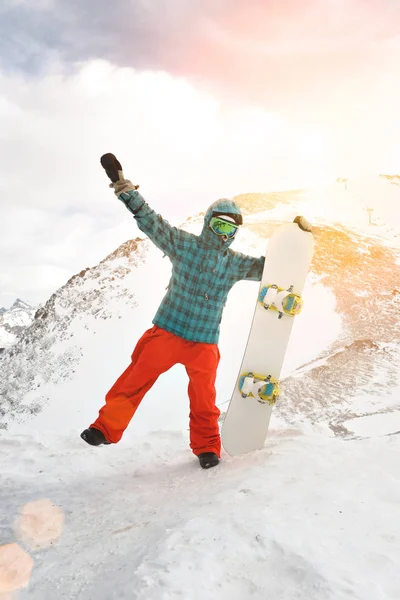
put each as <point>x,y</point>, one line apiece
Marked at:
<point>287,262</point>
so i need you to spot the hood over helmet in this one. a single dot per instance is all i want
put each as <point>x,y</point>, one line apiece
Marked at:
<point>224,206</point>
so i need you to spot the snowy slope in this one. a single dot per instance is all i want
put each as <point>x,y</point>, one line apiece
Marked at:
<point>309,518</point>
<point>312,516</point>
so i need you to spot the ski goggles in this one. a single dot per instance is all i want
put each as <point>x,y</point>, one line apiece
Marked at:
<point>221,227</point>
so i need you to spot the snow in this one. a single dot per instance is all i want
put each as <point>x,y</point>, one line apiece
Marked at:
<point>6,338</point>
<point>334,204</point>
<point>378,424</point>
<point>18,316</point>
<point>310,517</point>
<point>315,329</point>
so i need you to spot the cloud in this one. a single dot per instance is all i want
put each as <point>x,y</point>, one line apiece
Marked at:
<point>295,53</point>
<point>58,214</point>
<point>199,100</point>
<point>181,145</point>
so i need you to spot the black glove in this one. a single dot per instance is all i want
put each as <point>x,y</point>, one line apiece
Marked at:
<point>113,168</point>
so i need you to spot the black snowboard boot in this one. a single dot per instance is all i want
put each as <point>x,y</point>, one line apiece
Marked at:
<point>208,459</point>
<point>94,437</point>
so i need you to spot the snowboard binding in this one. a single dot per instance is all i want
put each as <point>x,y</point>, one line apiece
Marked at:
<point>264,388</point>
<point>285,302</point>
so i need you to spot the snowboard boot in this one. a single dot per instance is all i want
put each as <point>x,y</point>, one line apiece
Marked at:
<point>208,459</point>
<point>94,437</point>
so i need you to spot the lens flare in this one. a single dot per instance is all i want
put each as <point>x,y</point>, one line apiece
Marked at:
<point>15,568</point>
<point>39,524</point>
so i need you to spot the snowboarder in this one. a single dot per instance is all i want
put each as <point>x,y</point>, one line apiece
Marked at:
<point>186,326</point>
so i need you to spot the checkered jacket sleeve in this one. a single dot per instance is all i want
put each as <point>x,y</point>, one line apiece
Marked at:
<point>248,267</point>
<point>162,234</point>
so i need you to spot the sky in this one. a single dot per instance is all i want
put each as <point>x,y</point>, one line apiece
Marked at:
<point>198,100</point>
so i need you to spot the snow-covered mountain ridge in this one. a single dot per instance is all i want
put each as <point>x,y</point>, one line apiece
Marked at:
<point>49,351</point>
<point>13,320</point>
<point>395,179</point>
<point>353,282</point>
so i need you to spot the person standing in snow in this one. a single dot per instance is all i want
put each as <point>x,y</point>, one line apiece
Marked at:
<point>187,324</point>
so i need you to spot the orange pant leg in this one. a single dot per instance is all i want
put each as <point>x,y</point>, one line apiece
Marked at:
<point>201,362</point>
<point>154,354</point>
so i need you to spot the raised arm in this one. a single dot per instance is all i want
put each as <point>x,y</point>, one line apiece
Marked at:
<point>161,233</point>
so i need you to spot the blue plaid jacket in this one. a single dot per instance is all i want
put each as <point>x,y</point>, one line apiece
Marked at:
<point>204,269</point>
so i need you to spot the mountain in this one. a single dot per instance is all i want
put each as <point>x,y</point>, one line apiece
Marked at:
<point>395,179</point>
<point>312,515</point>
<point>13,321</point>
<point>345,336</point>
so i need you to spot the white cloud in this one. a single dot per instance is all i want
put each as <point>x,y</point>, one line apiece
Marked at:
<point>181,145</point>
<point>36,5</point>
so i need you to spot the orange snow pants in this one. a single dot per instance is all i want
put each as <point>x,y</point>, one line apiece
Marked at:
<point>156,352</point>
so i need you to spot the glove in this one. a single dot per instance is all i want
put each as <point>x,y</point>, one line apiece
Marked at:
<point>123,185</point>
<point>113,168</point>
